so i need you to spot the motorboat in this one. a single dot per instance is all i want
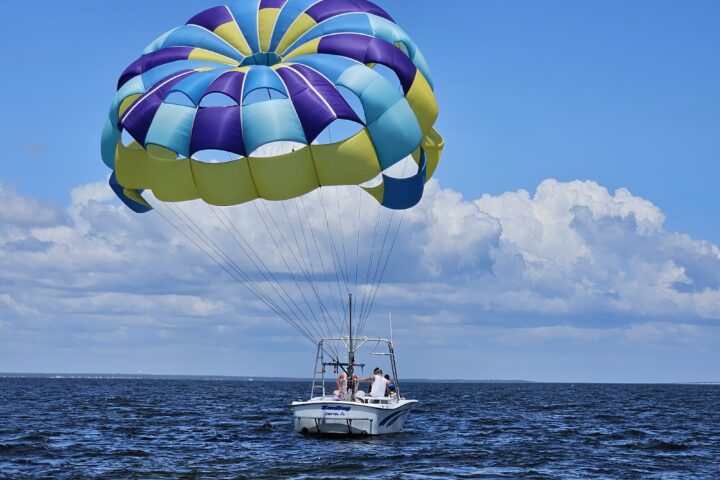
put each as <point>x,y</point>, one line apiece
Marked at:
<point>353,412</point>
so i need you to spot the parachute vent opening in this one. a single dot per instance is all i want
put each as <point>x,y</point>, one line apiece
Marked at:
<point>215,156</point>
<point>262,58</point>
<point>274,149</point>
<point>217,99</point>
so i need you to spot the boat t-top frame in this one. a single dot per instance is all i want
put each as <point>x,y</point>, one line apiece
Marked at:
<point>349,367</point>
<point>352,345</point>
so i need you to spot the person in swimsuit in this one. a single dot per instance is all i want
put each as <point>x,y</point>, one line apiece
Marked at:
<point>341,385</point>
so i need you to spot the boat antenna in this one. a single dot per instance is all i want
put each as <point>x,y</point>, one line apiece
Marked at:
<point>391,336</point>
<point>351,354</point>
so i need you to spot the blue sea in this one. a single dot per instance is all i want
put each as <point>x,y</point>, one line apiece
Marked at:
<point>82,428</point>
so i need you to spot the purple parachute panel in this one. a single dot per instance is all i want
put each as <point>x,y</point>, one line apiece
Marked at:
<point>139,116</point>
<point>325,9</point>
<point>315,109</point>
<point>230,84</point>
<point>329,92</point>
<point>152,60</point>
<point>218,128</point>
<point>211,18</point>
<point>313,113</point>
<point>371,50</point>
<point>272,3</point>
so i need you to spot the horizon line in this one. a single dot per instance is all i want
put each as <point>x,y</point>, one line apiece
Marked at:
<point>261,378</point>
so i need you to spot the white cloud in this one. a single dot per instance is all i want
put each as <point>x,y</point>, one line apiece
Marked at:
<point>634,333</point>
<point>587,251</point>
<point>571,262</point>
<point>15,307</point>
<point>23,211</point>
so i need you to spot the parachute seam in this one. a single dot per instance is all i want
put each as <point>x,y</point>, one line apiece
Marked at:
<point>307,82</point>
<point>152,91</point>
<point>239,30</point>
<point>320,24</point>
<point>272,35</point>
<point>312,157</point>
<point>257,26</point>
<point>293,23</point>
<point>242,133</point>
<point>336,85</point>
<point>367,14</point>
<point>218,37</point>
<point>272,30</point>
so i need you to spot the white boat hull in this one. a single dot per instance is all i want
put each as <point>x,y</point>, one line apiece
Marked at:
<point>323,416</point>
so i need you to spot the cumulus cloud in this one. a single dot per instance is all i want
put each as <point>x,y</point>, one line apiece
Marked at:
<point>24,211</point>
<point>570,262</point>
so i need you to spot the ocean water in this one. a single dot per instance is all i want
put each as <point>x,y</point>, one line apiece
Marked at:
<point>156,429</point>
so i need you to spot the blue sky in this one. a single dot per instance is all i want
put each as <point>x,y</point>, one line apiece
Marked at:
<point>617,94</point>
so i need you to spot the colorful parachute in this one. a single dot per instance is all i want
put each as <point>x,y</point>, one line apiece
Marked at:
<point>307,54</point>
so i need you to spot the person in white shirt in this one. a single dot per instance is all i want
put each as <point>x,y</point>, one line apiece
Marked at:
<point>379,383</point>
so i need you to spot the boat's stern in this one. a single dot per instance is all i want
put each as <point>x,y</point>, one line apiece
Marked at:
<point>328,417</point>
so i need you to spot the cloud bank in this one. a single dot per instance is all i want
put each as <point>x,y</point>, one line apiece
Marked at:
<point>569,268</point>
<point>571,248</point>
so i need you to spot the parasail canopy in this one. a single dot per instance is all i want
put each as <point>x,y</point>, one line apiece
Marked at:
<point>312,56</point>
